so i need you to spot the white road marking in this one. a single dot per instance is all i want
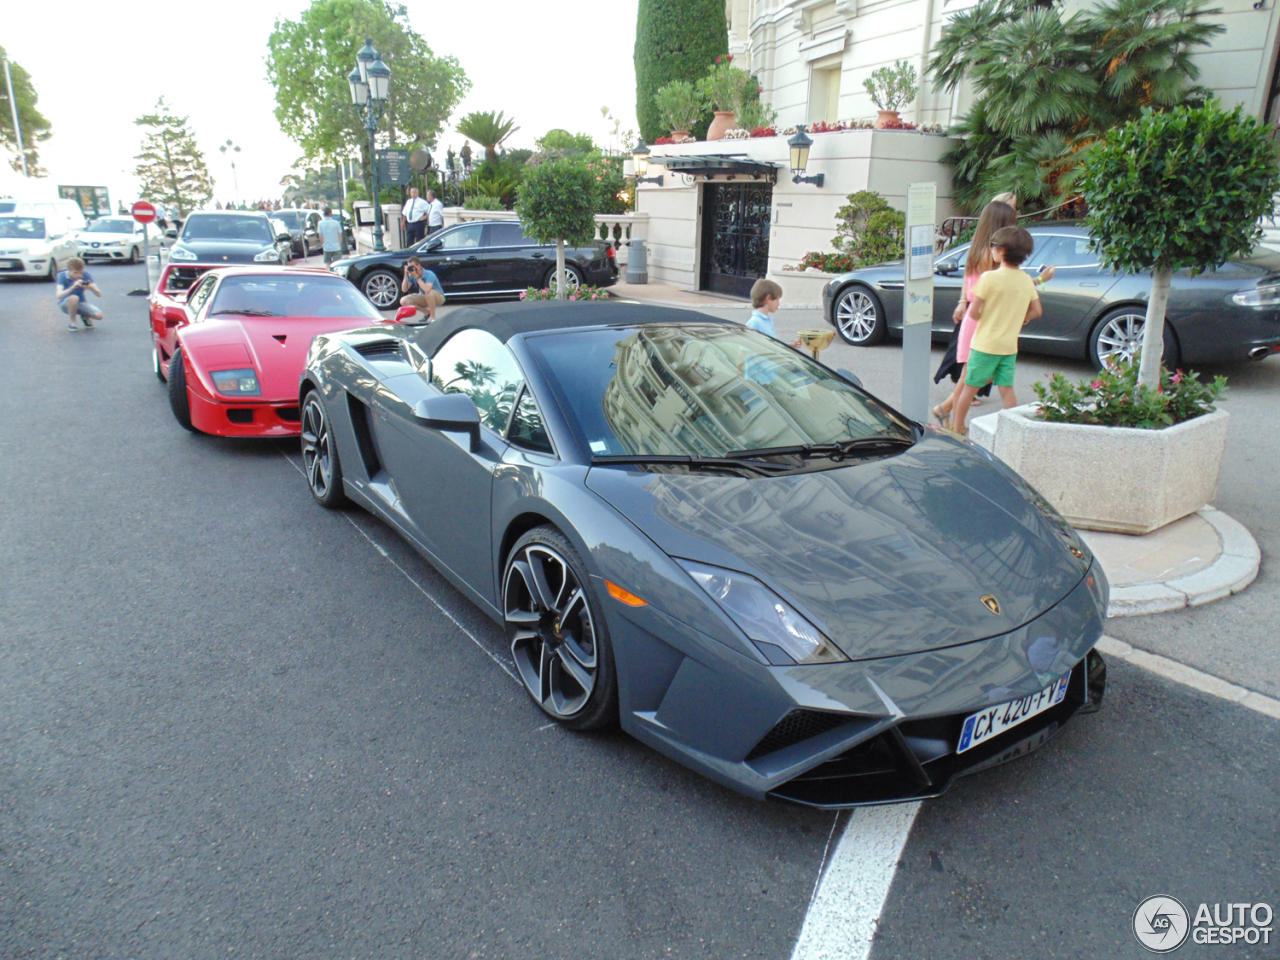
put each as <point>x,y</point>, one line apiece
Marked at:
<point>421,589</point>
<point>845,908</point>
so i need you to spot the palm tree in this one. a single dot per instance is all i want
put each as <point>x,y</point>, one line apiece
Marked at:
<point>487,129</point>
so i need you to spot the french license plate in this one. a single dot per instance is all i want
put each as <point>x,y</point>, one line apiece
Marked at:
<point>993,721</point>
<point>10,265</point>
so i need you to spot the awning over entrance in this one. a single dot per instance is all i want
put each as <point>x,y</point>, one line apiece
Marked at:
<point>717,164</point>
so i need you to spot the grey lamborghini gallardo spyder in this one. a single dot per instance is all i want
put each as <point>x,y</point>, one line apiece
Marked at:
<point>740,555</point>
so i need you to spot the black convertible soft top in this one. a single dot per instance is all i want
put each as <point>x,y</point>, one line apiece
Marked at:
<point>506,320</point>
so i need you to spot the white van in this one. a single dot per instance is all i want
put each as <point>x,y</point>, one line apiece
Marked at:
<point>37,239</point>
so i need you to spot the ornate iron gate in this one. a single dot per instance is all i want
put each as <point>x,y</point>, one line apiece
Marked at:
<point>735,236</point>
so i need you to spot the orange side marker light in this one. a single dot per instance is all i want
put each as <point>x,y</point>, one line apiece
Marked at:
<point>625,596</point>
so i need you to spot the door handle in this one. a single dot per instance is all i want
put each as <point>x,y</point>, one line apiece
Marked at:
<point>1086,283</point>
<point>473,257</point>
<point>538,256</point>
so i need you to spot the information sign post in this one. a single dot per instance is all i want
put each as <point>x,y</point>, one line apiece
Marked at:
<point>917,299</point>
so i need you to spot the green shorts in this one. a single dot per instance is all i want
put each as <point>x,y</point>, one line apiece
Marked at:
<point>998,368</point>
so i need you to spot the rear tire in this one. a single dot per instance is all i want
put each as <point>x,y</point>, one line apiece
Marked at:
<point>859,317</point>
<point>179,401</point>
<point>320,460</point>
<point>1119,334</point>
<point>572,279</point>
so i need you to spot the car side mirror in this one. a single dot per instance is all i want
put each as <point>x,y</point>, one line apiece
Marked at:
<point>171,233</point>
<point>174,316</point>
<point>286,235</point>
<point>452,413</point>
<point>404,314</point>
<point>946,268</point>
<point>433,247</point>
<point>850,376</point>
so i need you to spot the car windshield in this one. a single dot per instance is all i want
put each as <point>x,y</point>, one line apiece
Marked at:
<point>110,226</point>
<point>224,227</point>
<point>701,390</point>
<point>291,218</point>
<point>296,296</point>
<point>23,228</point>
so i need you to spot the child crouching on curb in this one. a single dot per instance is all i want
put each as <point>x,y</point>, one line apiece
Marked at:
<point>1003,302</point>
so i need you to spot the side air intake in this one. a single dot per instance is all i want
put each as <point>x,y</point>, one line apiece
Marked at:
<point>378,349</point>
<point>796,726</point>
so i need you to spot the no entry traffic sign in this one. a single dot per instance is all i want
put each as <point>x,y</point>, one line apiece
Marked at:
<point>143,212</point>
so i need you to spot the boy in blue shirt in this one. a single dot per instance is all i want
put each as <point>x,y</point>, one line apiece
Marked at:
<point>765,297</point>
<point>73,284</point>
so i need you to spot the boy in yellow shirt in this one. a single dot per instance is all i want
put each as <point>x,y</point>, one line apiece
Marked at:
<point>1004,300</point>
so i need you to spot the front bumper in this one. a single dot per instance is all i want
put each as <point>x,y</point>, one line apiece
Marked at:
<point>21,265</point>
<point>278,418</point>
<point>859,732</point>
<point>105,253</point>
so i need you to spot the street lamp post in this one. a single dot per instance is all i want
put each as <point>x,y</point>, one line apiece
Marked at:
<point>229,149</point>
<point>370,84</point>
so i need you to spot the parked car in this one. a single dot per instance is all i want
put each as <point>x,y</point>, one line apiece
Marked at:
<point>236,345</point>
<point>301,224</point>
<point>227,236</point>
<point>1090,312</point>
<point>57,209</point>
<point>284,239</point>
<point>687,527</point>
<point>120,239</point>
<point>35,244</point>
<point>485,259</point>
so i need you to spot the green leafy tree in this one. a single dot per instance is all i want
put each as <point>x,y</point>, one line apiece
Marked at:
<point>556,203</point>
<point>35,128</point>
<point>487,129</point>
<point>309,60</point>
<point>1048,86</point>
<point>563,143</point>
<point>675,40</point>
<point>1204,176</point>
<point>171,167</point>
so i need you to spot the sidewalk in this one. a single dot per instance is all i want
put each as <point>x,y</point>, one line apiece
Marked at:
<point>662,294</point>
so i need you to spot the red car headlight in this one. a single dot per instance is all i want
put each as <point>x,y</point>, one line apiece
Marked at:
<point>237,383</point>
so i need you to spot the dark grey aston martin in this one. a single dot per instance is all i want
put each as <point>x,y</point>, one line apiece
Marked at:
<point>1090,312</point>
<point>689,528</point>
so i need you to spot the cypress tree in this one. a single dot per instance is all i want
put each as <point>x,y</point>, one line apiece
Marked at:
<point>675,40</point>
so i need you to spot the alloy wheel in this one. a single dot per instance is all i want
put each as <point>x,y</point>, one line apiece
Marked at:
<point>382,290</point>
<point>571,280</point>
<point>1120,337</point>
<point>551,630</point>
<point>856,315</point>
<point>317,454</point>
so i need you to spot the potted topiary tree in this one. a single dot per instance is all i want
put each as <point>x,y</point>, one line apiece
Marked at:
<point>890,88</point>
<point>557,203</point>
<point>1137,447</point>
<point>726,87</point>
<point>679,105</point>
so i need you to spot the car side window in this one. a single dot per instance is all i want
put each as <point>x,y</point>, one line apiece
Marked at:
<point>528,429</point>
<point>463,238</point>
<point>200,295</point>
<point>1069,252</point>
<point>478,364</point>
<point>510,234</point>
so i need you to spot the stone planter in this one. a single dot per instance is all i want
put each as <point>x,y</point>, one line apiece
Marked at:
<point>721,125</point>
<point>887,118</point>
<point>802,288</point>
<point>1117,479</point>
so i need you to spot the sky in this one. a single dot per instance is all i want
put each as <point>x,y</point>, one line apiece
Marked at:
<point>548,63</point>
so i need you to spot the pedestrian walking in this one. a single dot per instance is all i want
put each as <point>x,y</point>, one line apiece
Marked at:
<point>415,218</point>
<point>995,216</point>
<point>74,283</point>
<point>435,216</point>
<point>330,231</point>
<point>421,288</point>
<point>1004,301</point>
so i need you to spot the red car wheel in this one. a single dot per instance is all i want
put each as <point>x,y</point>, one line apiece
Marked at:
<point>179,402</point>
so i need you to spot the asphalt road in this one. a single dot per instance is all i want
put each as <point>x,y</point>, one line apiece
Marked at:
<point>233,724</point>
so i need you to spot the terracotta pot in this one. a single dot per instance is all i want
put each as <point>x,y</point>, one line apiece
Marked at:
<point>886,118</point>
<point>677,134</point>
<point>721,125</point>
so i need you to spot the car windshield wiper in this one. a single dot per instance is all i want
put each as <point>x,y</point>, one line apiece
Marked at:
<point>244,313</point>
<point>834,451</point>
<point>683,460</point>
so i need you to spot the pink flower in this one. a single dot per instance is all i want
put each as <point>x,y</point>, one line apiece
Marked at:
<point>1096,384</point>
<point>572,297</point>
<point>1177,377</point>
<point>523,294</point>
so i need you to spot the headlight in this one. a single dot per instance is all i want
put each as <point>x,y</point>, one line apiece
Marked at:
<point>114,243</point>
<point>266,256</point>
<point>236,383</point>
<point>179,253</point>
<point>1267,296</point>
<point>764,616</point>
<point>341,268</point>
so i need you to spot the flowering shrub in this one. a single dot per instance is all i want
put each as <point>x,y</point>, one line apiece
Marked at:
<point>583,293</point>
<point>1114,399</point>
<point>736,133</point>
<point>823,127</point>
<point>662,141</point>
<point>725,85</point>
<point>764,132</point>
<point>827,262</point>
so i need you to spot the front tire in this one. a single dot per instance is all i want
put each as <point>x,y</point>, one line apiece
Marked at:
<point>1118,336</point>
<point>133,256</point>
<point>179,401</point>
<point>52,275</point>
<point>382,287</point>
<point>155,365</point>
<point>320,454</point>
<point>859,317</point>
<point>557,632</point>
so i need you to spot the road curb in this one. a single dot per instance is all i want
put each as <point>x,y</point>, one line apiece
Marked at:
<point>1235,568</point>
<point>1190,677</point>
